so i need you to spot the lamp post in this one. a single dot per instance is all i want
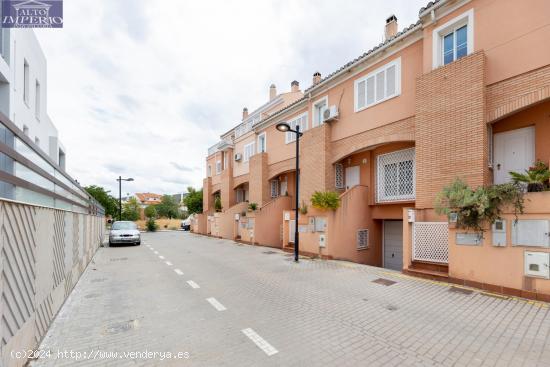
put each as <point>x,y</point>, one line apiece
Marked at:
<point>284,127</point>
<point>120,179</point>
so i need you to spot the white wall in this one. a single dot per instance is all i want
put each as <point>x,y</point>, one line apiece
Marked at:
<point>24,46</point>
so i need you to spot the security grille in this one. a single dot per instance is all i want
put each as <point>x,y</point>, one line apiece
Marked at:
<point>431,242</point>
<point>362,239</point>
<point>339,175</point>
<point>274,188</point>
<point>396,176</point>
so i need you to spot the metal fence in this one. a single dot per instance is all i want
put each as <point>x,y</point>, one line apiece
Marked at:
<point>50,228</point>
<point>431,242</point>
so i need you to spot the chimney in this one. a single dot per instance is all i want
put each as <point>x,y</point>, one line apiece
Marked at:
<point>316,78</point>
<point>245,113</point>
<point>294,86</point>
<point>272,92</point>
<point>391,27</point>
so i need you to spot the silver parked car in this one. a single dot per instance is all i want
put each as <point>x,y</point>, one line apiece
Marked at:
<point>124,232</point>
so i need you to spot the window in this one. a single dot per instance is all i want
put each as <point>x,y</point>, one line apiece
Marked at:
<point>26,82</point>
<point>362,239</point>
<point>319,108</point>
<point>339,175</point>
<point>380,85</point>
<point>248,152</point>
<point>396,176</point>
<point>453,39</point>
<point>300,121</point>
<point>274,188</point>
<point>37,101</point>
<point>262,143</point>
<point>209,171</point>
<point>218,167</point>
<point>240,195</point>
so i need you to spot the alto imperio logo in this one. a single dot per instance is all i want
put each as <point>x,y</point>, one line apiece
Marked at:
<point>32,13</point>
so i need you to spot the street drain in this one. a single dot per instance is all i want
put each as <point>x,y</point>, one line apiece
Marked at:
<point>119,259</point>
<point>391,308</point>
<point>460,290</point>
<point>92,295</point>
<point>269,252</point>
<point>121,327</point>
<point>98,280</point>
<point>383,281</point>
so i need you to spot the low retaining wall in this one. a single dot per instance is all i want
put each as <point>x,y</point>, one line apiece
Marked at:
<point>43,253</point>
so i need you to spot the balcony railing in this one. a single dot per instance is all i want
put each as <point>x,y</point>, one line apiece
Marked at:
<point>28,175</point>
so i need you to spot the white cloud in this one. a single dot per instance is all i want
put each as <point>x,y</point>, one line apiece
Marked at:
<point>143,88</point>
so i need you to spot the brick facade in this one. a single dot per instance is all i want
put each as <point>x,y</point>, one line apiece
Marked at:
<point>259,183</point>
<point>450,127</point>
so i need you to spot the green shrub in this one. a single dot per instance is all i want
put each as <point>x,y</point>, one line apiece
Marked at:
<point>252,206</point>
<point>480,207</point>
<point>535,177</point>
<point>325,200</point>
<point>218,204</point>
<point>303,208</point>
<point>151,225</point>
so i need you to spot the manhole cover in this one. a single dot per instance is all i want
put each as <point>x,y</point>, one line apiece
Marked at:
<point>92,295</point>
<point>391,308</point>
<point>383,281</point>
<point>119,259</point>
<point>460,290</point>
<point>121,327</point>
<point>269,252</point>
<point>98,280</point>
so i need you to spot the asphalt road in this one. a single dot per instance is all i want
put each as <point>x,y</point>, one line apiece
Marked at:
<point>181,299</point>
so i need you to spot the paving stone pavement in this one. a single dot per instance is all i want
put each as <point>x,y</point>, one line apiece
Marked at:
<point>315,313</point>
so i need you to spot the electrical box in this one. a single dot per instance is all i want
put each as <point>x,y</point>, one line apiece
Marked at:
<point>499,233</point>
<point>531,232</point>
<point>237,216</point>
<point>287,216</point>
<point>322,240</point>
<point>410,215</point>
<point>473,239</point>
<point>320,224</point>
<point>537,264</point>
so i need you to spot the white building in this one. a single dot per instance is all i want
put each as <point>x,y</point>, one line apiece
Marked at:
<point>23,90</point>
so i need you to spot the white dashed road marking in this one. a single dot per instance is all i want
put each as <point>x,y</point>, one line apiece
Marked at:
<point>178,271</point>
<point>260,342</point>
<point>193,284</point>
<point>217,305</point>
<point>168,263</point>
<point>161,257</point>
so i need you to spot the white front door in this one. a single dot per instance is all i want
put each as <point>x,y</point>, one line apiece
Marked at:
<point>352,177</point>
<point>514,151</point>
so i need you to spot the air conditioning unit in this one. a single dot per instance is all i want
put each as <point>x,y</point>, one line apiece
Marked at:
<point>238,156</point>
<point>330,114</point>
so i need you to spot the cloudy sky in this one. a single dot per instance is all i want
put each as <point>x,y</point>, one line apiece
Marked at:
<point>143,88</point>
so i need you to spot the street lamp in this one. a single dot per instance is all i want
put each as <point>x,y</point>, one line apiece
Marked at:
<point>120,179</point>
<point>284,127</point>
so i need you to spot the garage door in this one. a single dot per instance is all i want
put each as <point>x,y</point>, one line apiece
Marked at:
<point>393,244</point>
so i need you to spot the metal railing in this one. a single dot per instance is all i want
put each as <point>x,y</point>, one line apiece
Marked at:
<point>28,175</point>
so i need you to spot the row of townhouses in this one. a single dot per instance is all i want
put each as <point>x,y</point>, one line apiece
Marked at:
<point>462,93</point>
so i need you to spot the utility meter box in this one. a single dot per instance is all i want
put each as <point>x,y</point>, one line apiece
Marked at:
<point>499,233</point>
<point>531,232</point>
<point>537,264</point>
<point>322,240</point>
<point>287,216</point>
<point>237,216</point>
<point>410,215</point>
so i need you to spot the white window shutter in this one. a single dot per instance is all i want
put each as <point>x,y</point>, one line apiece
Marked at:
<point>390,81</point>
<point>361,98</point>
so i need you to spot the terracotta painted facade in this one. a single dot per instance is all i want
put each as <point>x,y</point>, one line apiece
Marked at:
<point>413,114</point>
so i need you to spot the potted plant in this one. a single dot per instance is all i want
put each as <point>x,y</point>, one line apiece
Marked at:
<point>325,200</point>
<point>252,207</point>
<point>303,208</point>
<point>535,177</point>
<point>218,204</point>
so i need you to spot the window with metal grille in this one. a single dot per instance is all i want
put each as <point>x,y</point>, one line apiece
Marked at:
<point>218,167</point>
<point>274,188</point>
<point>396,176</point>
<point>362,239</point>
<point>339,175</point>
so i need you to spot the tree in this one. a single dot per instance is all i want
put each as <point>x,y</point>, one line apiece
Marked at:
<point>109,203</point>
<point>193,201</point>
<point>150,212</point>
<point>168,207</point>
<point>130,210</point>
